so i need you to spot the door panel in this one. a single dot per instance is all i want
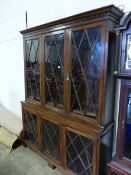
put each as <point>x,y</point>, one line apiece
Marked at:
<point>51,139</point>
<point>30,125</point>
<point>32,69</point>
<point>80,152</point>
<point>54,69</point>
<point>85,71</point>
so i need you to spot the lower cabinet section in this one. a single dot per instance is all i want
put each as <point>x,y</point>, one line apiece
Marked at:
<point>74,150</point>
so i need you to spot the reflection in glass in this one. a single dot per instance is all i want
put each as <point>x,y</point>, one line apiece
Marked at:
<point>86,46</point>
<point>127,145</point>
<point>32,69</point>
<point>54,71</point>
<point>128,52</point>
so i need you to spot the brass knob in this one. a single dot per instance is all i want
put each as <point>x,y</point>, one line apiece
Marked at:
<point>67,77</point>
<point>123,124</point>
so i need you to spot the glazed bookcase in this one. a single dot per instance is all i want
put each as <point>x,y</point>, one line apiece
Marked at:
<point>69,89</point>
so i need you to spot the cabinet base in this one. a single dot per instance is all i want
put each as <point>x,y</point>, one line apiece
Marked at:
<point>118,169</point>
<point>51,163</point>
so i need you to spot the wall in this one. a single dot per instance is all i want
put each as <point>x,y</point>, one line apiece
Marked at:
<point>12,20</point>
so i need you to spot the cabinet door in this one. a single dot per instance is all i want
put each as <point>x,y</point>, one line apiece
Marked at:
<point>30,127</point>
<point>51,139</point>
<point>86,50</point>
<point>81,152</point>
<point>124,130</point>
<point>32,69</point>
<point>54,69</point>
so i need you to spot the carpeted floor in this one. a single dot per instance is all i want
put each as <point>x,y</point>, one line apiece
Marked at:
<point>23,161</point>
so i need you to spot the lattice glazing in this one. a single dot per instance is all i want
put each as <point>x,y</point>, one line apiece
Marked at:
<point>32,69</point>
<point>86,46</point>
<point>30,123</point>
<point>51,139</point>
<point>79,154</point>
<point>54,70</point>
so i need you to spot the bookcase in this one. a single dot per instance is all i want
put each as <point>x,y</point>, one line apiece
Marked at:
<point>69,89</point>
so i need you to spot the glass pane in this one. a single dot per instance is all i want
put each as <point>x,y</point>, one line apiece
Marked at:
<point>127,145</point>
<point>79,153</point>
<point>30,124</point>
<point>32,69</point>
<point>128,51</point>
<point>51,139</point>
<point>86,46</point>
<point>54,71</point>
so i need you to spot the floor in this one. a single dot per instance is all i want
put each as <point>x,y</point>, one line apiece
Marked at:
<point>23,161</point>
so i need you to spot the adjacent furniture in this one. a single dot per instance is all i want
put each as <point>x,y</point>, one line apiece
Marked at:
<point>69,87</point>
<point>121,165</point>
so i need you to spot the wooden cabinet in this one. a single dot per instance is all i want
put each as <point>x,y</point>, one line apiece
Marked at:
<point>70,90</point>
<point>122,162</point>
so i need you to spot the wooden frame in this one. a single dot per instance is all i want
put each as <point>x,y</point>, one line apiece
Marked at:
<point>63,128</point>
<point>38,129</point>
<point>102,65</point>
<point>95,147</point>
<point>43,68</point>
<point>25,57</point>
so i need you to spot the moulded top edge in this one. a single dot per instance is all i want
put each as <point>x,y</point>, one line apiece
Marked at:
<point>89,14</point>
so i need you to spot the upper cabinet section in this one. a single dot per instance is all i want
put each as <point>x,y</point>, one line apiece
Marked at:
<point>69,65</point>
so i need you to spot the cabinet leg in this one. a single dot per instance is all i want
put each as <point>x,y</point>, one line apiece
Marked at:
<point>51,165</point>
<point>16,144</point>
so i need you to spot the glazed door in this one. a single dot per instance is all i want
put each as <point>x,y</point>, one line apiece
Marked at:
<point>81,152</point>
<point>73,70</point>
<point>53,70</point>
<point>32,69</point>
<point>124,130</point>
<point>86,70</point>
<point>31,127</point>
<point>51,140</point>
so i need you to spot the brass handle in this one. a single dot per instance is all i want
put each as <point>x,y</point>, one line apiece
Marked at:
<point>67,77</point>
<point>123,124</point>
